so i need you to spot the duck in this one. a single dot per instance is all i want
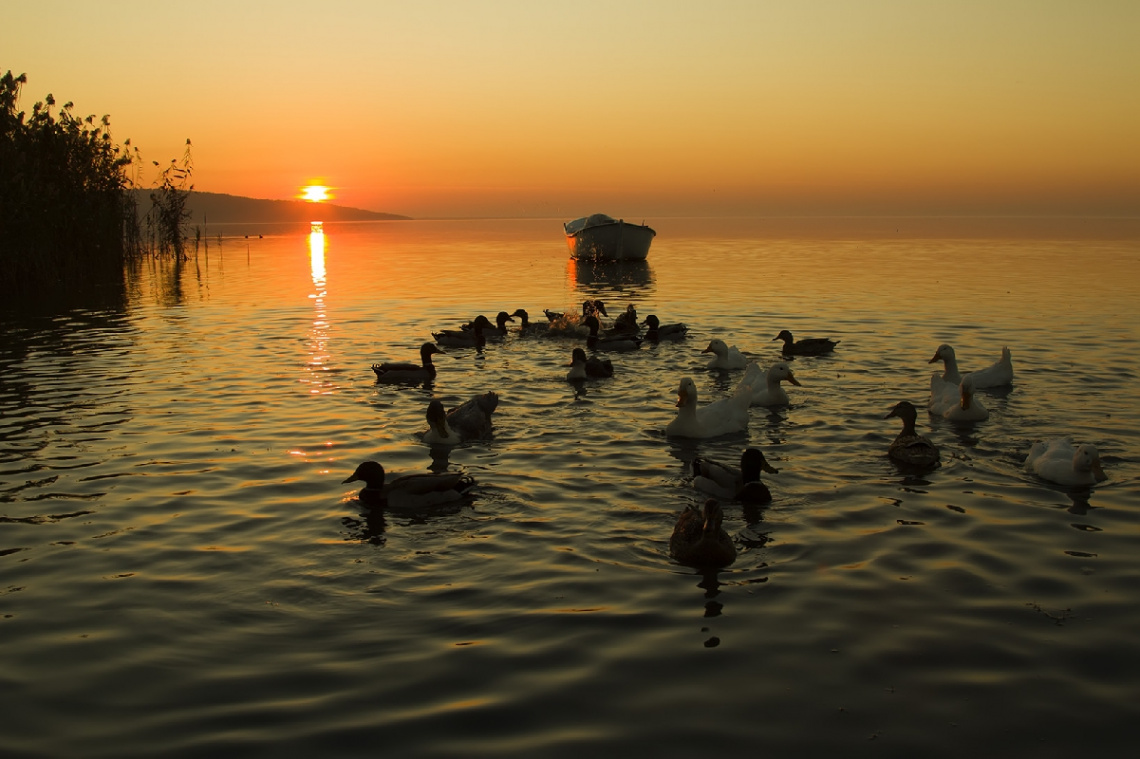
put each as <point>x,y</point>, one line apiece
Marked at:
<point>725,357</point>
<point>721,417</point>
<point>571,324</point>
<point>809,346</point>
<point>950,372</point>
<point>399,371</point>
<point>614,342</point>
<point>657,331</point>
<point>730,483</point>
<point>626,321</point>
<point>956,402</point>
<point>470,420</point>
<point>582,367</point>
<point>910,447</point>
<point>997,374</point>
<point>1061,462</point>
<point>475,337</point>
<point>699,539</point>
<point>766,389</point>
<point>498,329</point>
<point>528,328</point>
<point>410,491</point>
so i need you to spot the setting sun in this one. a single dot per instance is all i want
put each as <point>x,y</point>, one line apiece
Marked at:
<point>315,193</point>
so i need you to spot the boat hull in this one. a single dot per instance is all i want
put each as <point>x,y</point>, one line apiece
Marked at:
<point>598,238</point>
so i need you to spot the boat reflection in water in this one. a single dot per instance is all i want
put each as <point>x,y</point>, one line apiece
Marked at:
<point>602,279</point>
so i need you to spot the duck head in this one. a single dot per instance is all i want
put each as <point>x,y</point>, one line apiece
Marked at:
<point>717,346</point>
<point>687,393</point>
<point>427,349</point>
<point>752,462</point>
<point>437,418</point>
<point>944,353</point>
<point>1087,459</point>
<point>781,371</point>
<point>371,473</point>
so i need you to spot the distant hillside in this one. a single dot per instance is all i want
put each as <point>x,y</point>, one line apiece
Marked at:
<point>218,208</point>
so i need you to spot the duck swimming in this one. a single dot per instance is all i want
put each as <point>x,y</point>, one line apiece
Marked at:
<point>699,539</point>
<point>956,402</point>
<point>466,338</point>
<point>766,389</point>
<point>997,374</point>
<point>395,371</point>
<point>809,346</point>
<point>411,491</point>
<point>721,417</point>
<point>657,331</point>
<point>499,329</point>
<point>582,367</point>
<point>732,484</point>
<point>614,342</point>
<point>910,447</point>
<point>470,420</point>
<point>725,357</point>
<point>626,321</point>
<point>1063,463</point>
<point>527,328</point>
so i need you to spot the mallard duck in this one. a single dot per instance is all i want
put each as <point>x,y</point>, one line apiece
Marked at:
<point>997,374</point>
<point>614,342</point>
<point>657,331</point>
<point>470,420</point>
<point>910,447</point>
<point>699,539</point>
<point>626,321</point>
<point>725,357</point>
<point>956,402</point>
<point>582,367</point>
<point>527,328</point>
<point>475,337</point>
<point>766,389</point>
<point>396,371</point>
<point>731,484</point>
<point>498,329</point>
<point>1063,463</point>
<point>809,346</point>
<point>721,417</point>
<point>411,491</point>
<point>950,372</point>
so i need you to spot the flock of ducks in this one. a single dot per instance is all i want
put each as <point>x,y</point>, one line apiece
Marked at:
<point>699,538</point>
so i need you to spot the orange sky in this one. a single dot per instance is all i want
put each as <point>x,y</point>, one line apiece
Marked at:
<point>441,109</point>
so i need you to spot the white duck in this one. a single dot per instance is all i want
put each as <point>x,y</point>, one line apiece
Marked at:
<point>470,420</point>
<point>950,372</point>
<point>730,483</point>
<point>412,491</point>
<point>1062,462</point>
<point>997,374</point>
<point>720,417</point>
<point>766,389</point>
<point>956,402</point>
<point>725,357</point>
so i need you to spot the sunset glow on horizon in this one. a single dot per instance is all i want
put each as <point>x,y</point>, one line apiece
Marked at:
<point>315,193</point>
<point>516,109</point>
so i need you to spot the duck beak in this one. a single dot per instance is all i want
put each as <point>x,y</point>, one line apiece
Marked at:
<point>682,397</point>
<point>793,380</point>
<point>769,468</point>
<point>707,350</point>
<point>353,478</point>
<point>935,360</point>
<point>1098,471</point>
<point>966,398</point>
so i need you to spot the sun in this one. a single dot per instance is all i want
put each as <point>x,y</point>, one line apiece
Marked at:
<point>315,193</point>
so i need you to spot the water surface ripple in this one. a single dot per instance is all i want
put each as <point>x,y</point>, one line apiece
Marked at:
<point>182,572</point>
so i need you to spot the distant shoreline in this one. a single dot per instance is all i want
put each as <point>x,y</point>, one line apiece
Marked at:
<point>208,208</point>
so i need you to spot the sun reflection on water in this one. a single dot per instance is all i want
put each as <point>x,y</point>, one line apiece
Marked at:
<point>318,335</point>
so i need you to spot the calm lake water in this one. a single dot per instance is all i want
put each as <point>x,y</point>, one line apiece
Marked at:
<point>183,573</point>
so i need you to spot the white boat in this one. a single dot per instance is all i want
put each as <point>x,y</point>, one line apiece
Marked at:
<point>603,238</point>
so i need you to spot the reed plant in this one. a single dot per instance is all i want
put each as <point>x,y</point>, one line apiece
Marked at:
<point>69,215</point>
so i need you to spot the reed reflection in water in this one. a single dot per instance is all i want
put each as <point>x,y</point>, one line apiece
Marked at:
<point>183,571</point>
